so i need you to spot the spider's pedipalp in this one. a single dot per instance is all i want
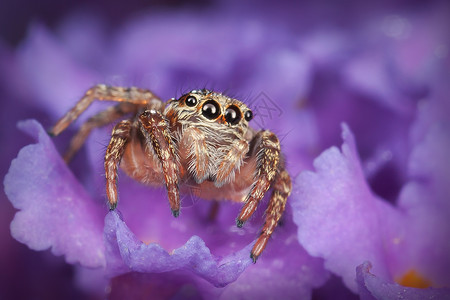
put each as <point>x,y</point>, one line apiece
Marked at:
<point>136,96</point>
<point>114,153</point>
<point>268,159</point>
<point>281,190</point>
<point>197,153</point>
<point>231,162</point>
<point>155,128</point>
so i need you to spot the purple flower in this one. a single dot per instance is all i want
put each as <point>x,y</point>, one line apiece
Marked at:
<point>55,211</point>
<point>58,212</point>
<point>373,213</point>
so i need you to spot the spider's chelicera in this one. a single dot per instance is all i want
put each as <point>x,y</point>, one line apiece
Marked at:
<point>201,141</point>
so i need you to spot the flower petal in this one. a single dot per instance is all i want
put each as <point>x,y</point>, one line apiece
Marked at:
<point>372,287</point>
<point>425,198</point>
<point>54,210</point>
<point>285,271</point>
<point>126,253</point>
<point>337,215</point>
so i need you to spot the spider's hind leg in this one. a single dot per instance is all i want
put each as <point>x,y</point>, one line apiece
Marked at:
<point>136,96</point>
<point>101,119</point>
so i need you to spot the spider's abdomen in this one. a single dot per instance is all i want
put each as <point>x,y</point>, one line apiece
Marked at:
<point>235,190</point>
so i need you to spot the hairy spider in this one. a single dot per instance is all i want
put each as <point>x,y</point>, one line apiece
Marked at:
<point>200,141</point>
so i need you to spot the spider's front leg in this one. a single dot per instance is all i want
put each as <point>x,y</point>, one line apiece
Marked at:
<point>281,190</point>
<point>269,171</point>
<point>267,147</point>
<point>156,130</point>
<point>114,153</point>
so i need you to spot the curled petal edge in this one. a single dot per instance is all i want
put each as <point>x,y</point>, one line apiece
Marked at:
<point>126,253</point>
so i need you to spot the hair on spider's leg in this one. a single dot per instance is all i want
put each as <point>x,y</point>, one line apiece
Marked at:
<point>281,190</point>
<point>268,159</point>
<point>114,153</point>
<point>155,129</point>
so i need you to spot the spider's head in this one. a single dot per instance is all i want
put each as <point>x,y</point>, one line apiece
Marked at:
<point>210,109</point>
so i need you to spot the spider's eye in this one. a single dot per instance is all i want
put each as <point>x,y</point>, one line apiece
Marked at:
<point>211,109</point>
<point>191,101</point>
<point>248,115</point>
<point>233,115</point>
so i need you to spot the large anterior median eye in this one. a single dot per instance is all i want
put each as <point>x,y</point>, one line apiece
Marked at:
<point>233,115</point>
<point>211,109</point>
<point>191,101</point>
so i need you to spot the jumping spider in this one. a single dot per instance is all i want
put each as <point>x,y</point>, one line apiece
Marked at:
<point>200,141</point>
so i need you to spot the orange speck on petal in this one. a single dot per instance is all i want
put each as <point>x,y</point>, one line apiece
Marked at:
<point>413,279</point>
<point>149,241</point>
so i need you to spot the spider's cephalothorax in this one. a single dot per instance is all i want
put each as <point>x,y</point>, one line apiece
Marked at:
<point>200,142</point>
